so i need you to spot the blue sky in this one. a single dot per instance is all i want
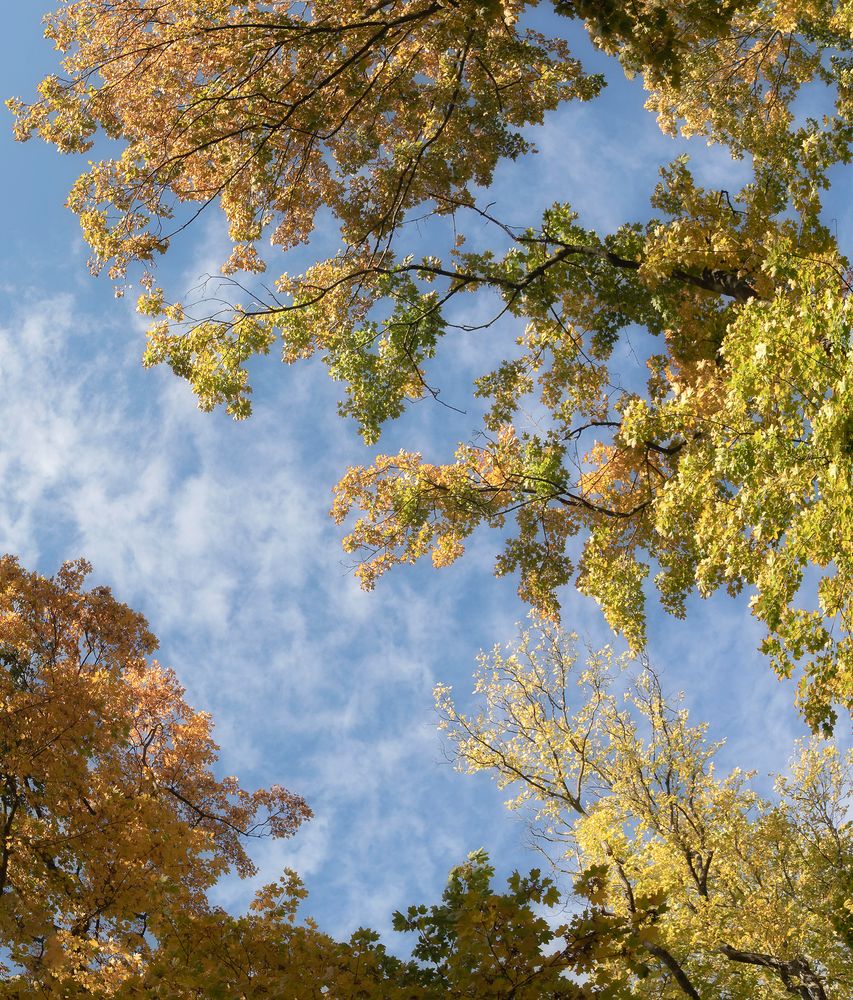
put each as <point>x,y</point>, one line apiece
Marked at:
<point>219,532</point>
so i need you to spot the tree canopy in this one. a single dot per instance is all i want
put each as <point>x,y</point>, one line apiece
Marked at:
<point>730,469</point>
<point>734,895</point>
<point>114,829</point>
<point>112,820</point>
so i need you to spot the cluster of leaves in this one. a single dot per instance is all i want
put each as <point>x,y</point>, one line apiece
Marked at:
<point>742,896</point>
<point>730,469</point>
<point>276,110</point>
<point>114,828</point>
<point>475,943</point>
<point>111,818</point>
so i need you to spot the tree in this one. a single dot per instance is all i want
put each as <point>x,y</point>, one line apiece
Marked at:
<point>112,822</point>
<point>749,897</point>
<point>730,468</point>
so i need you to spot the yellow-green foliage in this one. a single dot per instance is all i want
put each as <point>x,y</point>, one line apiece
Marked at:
<point>731,470</point>
<point>752,896</point>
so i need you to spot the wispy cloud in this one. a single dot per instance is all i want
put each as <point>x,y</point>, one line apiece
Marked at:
<point>219,533</point>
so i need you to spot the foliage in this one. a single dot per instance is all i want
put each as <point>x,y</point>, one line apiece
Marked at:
<point>751,897</point>
<point>112,822</point>
<point>477,943</point>
<point>729,468</point>
<point>732,467</point>
<point>114,827</point>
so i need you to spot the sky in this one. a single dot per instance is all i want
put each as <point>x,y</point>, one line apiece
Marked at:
<point>219,531</point>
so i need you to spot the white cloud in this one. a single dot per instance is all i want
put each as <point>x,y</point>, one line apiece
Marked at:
<point>219,533</point>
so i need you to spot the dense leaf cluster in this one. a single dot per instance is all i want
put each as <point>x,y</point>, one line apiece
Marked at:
<point>382,112</point>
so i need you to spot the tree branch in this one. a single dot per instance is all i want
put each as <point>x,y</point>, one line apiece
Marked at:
<point>796,974</point>
<point>675,968</point>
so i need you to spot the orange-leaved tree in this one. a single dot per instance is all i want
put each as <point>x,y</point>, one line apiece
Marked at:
<point>112,822</point>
